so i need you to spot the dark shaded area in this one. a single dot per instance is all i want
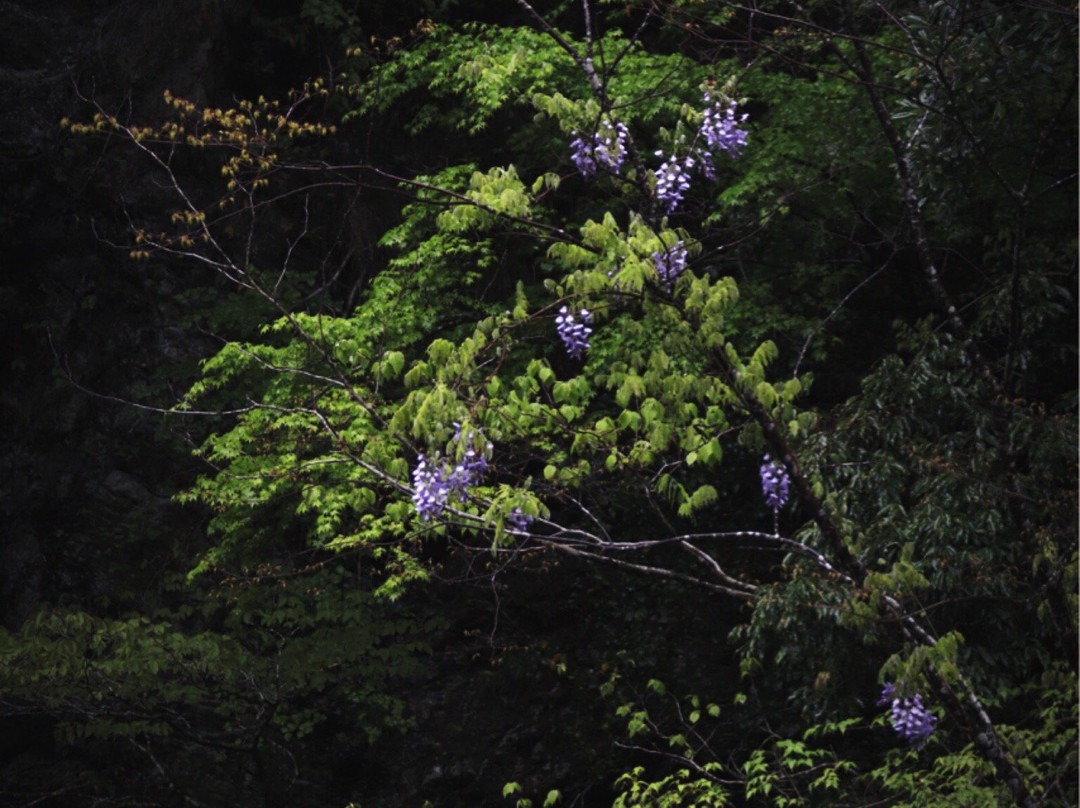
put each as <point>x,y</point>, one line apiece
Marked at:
<point>89,340</point>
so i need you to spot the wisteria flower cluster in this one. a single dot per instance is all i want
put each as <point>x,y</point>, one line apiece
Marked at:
<point>673,180</point>
<point>719,128</point>
<point>574,330</point>
<point>908,716</point>
<point>434,482</point>
<point>518,519</point>
<point>605,148</point>
<point>774,483</point>
<point>720,132</point>
<point>670,264</point>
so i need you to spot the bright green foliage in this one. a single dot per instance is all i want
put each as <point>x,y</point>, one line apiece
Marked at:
<point>496,67</point>
<point>931,541</point>
<point>683,788</point>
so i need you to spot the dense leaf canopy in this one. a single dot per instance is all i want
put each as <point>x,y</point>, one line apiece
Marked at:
<point>514,312</point>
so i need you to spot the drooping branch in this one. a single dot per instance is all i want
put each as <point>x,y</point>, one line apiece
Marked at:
<point>781,450</point>
<point>986,737</point>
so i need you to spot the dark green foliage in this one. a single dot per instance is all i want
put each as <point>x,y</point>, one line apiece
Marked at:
<point>230,693</point>
<point>880,294</point>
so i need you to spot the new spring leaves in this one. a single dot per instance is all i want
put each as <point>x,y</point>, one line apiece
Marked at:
<point>437,480</point>
<point>606,149</point>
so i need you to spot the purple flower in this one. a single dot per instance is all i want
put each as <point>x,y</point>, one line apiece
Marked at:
<point>908,716</point>
<point>433,483</point>
<point>611,144</point>
<point>705,164</point>
<point>670,264</point>
<point>581,152</point>
<point>673,180</point>
<point>573,332</point>
<point>430,489</point>
<point>517,520</point>
<point>774,483</point>
<point>605,148</point>
<point>719,129</point>
<point>467,471</point>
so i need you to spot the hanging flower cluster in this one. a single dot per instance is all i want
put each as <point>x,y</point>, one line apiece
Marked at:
<point>605,148</point>
<point>908,717</point>
<point>720,132</point>
<point>670,264</point>
<point>434,482</point>
<point>573,331</point>
<point>430,489</point>
<point>673,180</point>
<point>518,520</point>
<point>581,152</point>
<point>774,483</point>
